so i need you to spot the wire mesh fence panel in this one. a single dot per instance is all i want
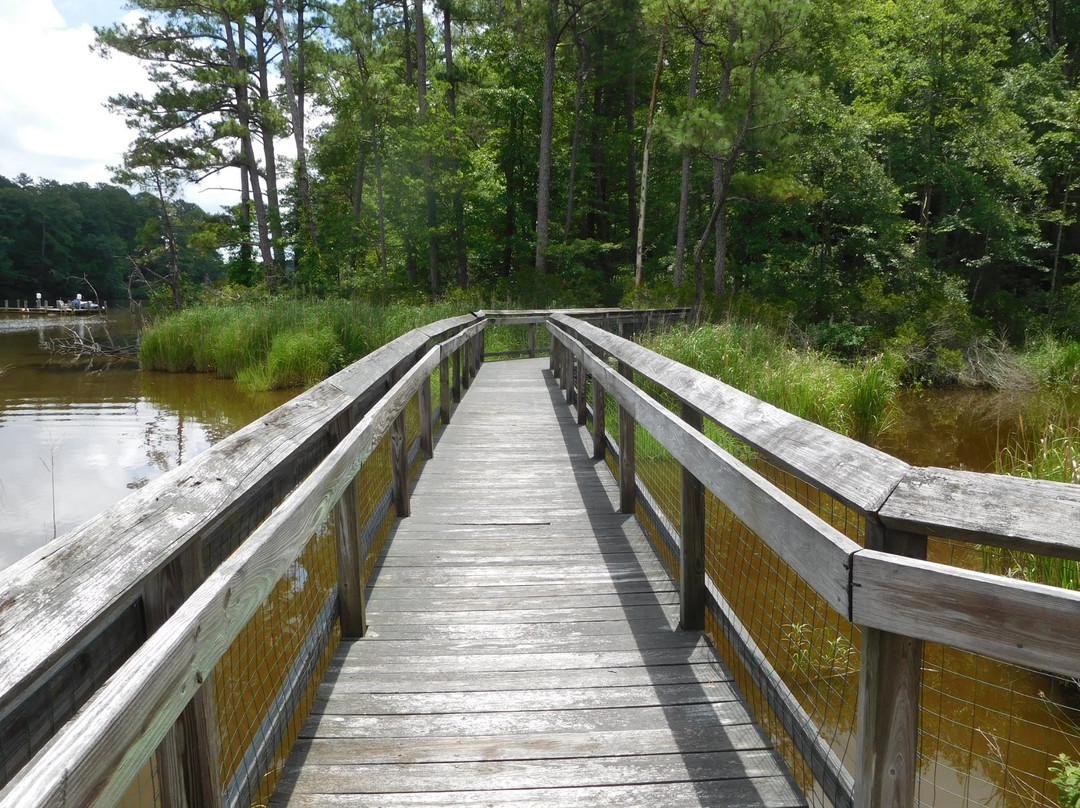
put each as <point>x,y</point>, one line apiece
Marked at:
<point>261,695</point>
<point>812,649</point>
<point>145,789</point>
<point>513,341</point>
<point>990,732</point>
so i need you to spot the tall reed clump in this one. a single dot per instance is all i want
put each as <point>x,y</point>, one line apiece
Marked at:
<point>1050,454</point>
<point>278,343</point>
<point>853,399</point>
<point>1055,361</point>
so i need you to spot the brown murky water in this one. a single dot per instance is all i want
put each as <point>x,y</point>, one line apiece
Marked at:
<point>77,436</point>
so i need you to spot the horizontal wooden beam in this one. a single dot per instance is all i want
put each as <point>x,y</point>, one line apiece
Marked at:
<point>1016,621</point>
<point>1032,516</point>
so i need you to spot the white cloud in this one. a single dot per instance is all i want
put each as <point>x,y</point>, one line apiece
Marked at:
<point>52,100</point>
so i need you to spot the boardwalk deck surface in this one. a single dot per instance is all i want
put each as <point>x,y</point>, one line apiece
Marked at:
<point>523,646</point>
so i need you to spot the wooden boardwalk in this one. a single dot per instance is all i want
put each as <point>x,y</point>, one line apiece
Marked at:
<point>523,646</point>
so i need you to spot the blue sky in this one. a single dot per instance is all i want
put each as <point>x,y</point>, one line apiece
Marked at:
<point>52,95</point>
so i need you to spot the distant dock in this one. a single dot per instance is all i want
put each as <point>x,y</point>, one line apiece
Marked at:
<point>29,308</point>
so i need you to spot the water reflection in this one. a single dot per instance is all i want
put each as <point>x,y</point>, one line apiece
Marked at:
<point>78,435</point>
<point>966,429</point>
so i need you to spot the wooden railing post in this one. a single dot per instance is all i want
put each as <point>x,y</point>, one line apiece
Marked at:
<point>189,756</point>
<point>599,411</point>
<point>888,706</point>
<point>457,376</point>
<point>350,550</point>
<point>427,438</point>
<point>692,546</point>
<point>444,390</point>
<point>582,381</point>
<point>626,450</point>
<point>466,364</point>
<point>566,368</point>
<point>532,340</point>
<point>399,464</point>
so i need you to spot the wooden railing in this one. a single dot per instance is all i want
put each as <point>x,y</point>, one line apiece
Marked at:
<point>124,620</point>
<point>110,637</point>
<point>886,587</point>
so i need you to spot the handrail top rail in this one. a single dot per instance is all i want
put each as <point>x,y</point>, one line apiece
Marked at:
<point>1037,516</point>
<point>54,599</point>
<point>102,749</point>
<point>1018,621</point>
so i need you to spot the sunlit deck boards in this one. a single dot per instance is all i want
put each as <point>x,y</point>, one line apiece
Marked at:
<point>523,646</point>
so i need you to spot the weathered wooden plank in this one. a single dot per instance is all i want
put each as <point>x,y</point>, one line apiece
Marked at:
<point>1016,621</point>
<point>855,473</point>
<point>450,599</point>
<point>534,746</point>
<point>718,715</point>
<point>1032,516</point>
<point>761,792</point>
<point>509,681</point>
<point>488,702</point>
<point>556,773</point>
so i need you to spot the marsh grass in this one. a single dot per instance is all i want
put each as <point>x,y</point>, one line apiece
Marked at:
<point>1051,453</point>
<point>853,399</point>
<point>278,343</point>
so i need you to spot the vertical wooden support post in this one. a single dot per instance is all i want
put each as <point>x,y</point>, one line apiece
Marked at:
<point>582,380</point>
<point>444,389</point>
<point>350,550</point>
<point>457,375</point>
<point>427,438</point>
<point>599,405</point>
<point>692,546</point>
<point>888,706</point>
<point>189,757</point>
<point>399,464</point>
<point>626,450</point>
<point>532,340</point>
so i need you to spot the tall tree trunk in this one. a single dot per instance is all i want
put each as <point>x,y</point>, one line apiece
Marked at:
<point>173,278</point>
<point>684,185</point>
<point>429,187</point>
<point>575,139</point>
<point>1060,233</point>
<point>631,131</point>
<point>547,118</point>
<point>247,151</point>
<point>277,236</point>
<point>379,200</point>
<point>510,181</point>
<point>639,256</point>
<point>246,258</point>
<point>357,211</point>
<point>720,201</point>
<point>408,43</point>
<point>295,94</point>
<point>460,254</point>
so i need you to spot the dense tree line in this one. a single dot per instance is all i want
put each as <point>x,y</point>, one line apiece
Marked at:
<point>63,240</point>
<point>900,169</point>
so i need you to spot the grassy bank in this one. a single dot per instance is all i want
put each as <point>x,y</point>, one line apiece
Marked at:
<point>279,343</point>
<point>852,398</point>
